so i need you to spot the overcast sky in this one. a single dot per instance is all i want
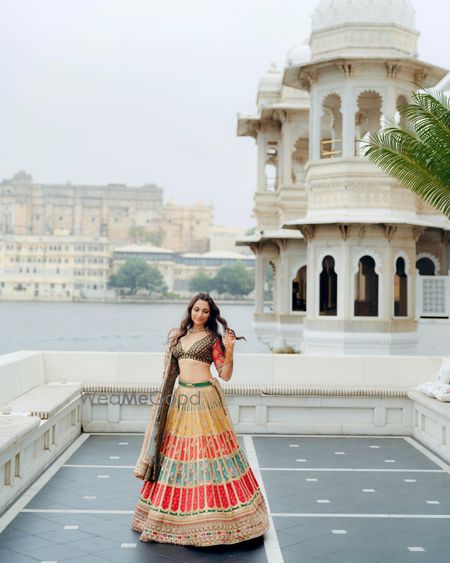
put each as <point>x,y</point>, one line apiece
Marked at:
<point>146,91</point>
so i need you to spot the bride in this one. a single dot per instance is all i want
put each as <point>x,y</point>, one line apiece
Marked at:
<point>198,486</point>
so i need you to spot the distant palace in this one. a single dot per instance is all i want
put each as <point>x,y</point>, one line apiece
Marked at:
<point>62,242</point>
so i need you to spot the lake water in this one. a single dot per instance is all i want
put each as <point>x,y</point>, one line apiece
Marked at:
<point>112,327</point>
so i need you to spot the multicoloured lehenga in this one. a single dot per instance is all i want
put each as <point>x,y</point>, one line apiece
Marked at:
<point>206,492</point>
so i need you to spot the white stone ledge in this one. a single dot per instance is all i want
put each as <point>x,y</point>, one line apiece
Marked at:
<point>431,426</point>
<point>439,407</point>
<point>24,459</point>
<point>44,400</point>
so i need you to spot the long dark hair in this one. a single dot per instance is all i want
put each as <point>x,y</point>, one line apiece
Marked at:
<point>212,323</point>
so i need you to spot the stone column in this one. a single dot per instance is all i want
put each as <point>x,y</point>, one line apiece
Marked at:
<point>259,279</point>
<point>346,281</point>
<point>286,165</point>
<point>314,129</point>
<point>386,283</point>
<point>312,282</point>
<point>276,281</point>
<point>348,121</point>
<point>284,286</point>
<point>261,162</point>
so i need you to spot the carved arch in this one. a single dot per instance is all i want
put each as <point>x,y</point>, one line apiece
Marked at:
<point>404,255</point>
<point>359,92</point>
<point>433,258</point>
<point>296,268</point>
<point>357,257</point>
<point>324,95</point>
<point>321,256</point>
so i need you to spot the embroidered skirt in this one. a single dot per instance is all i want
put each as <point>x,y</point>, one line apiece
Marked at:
<point>206,492</point>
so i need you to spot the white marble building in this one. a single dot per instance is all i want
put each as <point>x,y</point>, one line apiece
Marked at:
<point>356,260</point>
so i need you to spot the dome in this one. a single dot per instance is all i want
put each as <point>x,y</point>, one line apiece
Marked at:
<point>330,13</point>
<point>298,55</point>
<point>271,80</point>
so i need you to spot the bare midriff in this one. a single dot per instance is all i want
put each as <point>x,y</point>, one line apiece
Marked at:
<point>194,371</point>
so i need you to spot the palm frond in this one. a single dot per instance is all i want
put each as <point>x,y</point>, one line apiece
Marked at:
<point>432,159</point>
<point>417,154</point>
<point>436,101</point>
<point>430,120</point>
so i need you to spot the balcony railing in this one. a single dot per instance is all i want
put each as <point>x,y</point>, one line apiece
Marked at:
<point>331,148</point>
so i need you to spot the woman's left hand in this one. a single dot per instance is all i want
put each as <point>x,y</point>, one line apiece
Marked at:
<point>229,340</point>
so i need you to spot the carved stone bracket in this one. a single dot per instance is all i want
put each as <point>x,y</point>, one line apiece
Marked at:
<point>268,125</point>
<point>392,69</point>
<point>307,78</point>
<point>420,76</point>
<point>344,231</point>
<point>389,231</point>
<point>307,231</point>
<point>281,244</point>
<point>254,128</point>
<point>255,248</point>
<point>346,69</point>
<point>280,115</point>
<point>418,232</point>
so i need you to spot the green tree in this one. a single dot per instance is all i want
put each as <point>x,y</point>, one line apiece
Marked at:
<point>136,274</point>
<point>201,282</point>
<point>417,152</point>
<point>234,280</point>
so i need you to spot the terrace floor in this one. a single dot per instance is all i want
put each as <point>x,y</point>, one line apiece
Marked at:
<point>339,499</point>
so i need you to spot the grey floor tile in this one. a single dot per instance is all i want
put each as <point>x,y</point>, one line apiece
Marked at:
<point>295,554</point>
<point>107,529</point>
<point>423,557</point>
<point>356,556</point>
<point>62,536</point>
<point>25,542</point>
<point>96,544</point>
<point>32,524</point>
<point>89,558</point>
<point>53,552</point>
<point>124,534</point>
<point>276,452</point>
<point>124,555</point>
<point>8,556</point>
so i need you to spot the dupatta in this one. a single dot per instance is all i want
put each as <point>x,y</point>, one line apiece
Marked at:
<point>148,464</point>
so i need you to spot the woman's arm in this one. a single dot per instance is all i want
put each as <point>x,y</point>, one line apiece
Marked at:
<point>227,367</point>
<point>224,362</point>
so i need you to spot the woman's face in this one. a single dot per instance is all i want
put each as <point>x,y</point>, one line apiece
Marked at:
<point>200,312</point>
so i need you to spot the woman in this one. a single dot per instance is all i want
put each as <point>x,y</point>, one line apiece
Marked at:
<point>198,487</point>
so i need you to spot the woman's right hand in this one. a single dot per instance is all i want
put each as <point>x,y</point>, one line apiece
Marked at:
<point>140,471</point>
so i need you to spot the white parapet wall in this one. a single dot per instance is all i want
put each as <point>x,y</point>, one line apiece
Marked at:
<point>431,423</point>
<point>71,392</point>
<point>249,369</point>
<point>38,421</point>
